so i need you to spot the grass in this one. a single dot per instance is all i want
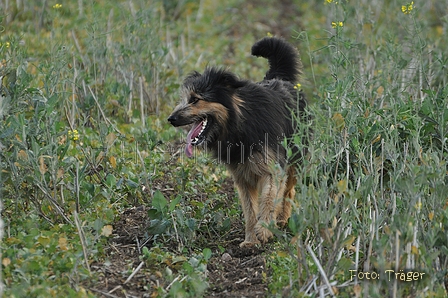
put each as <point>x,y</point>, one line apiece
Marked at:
<point>86,88</point>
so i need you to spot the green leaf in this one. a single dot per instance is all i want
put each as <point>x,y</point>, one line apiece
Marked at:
<point>174,202</point>
<point>159,202</point>
<point>294,222</point>
<point>158,226</point>
<point>131,183</point>
<point>62,150</point>
<point>98,225</point>
<point>154,214</point>
<point>89,187</point>
<point>191,224</point>
<point>111,180</point>
<point>226,224</point>
<point>177,290</point>
<point>207,253</point>
<point>43,240</point>
<point>145,252</point>
<point>345,264</point>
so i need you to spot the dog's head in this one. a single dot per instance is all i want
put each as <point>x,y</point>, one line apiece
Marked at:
<point>208,102</point>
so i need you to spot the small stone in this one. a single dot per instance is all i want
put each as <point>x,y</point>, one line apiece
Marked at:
<point>226,257</point>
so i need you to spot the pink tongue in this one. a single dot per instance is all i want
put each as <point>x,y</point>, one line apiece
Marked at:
<point>193,133</point>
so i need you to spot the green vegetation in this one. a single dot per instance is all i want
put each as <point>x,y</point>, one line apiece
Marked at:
<point>86,88</point>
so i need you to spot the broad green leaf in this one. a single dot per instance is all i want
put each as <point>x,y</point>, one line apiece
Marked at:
<point>159,202</point>
<point>207,253</point>
<point>158,226</point>
<point>174,202</point>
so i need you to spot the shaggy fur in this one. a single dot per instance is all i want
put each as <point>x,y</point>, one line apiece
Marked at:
<point>243,124</point>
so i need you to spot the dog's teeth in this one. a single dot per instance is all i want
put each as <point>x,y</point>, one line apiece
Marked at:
<point>204,125</point>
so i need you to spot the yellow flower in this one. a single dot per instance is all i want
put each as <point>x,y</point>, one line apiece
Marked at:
<point>298,86</point>
<point>337,24</point>
<point>269,34</point>
<point>6,44</point>
<point>73,135</point>
<point>418,206</point>
<point>406,9</point>
<point>57,6</point>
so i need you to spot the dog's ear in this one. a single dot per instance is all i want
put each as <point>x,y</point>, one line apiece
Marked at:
<point>229,80</point>
<point>191,76</point>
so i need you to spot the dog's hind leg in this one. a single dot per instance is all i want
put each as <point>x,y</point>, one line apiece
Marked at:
<point>290,192</point>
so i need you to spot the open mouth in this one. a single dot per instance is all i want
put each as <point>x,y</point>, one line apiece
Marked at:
<point>195,136</point>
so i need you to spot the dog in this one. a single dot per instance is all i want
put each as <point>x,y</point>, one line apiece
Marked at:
<point>243,124</point>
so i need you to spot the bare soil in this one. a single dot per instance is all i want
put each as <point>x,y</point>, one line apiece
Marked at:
<point>236,272</point>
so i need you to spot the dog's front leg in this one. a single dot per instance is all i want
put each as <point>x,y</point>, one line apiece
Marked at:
<point>249,201</point>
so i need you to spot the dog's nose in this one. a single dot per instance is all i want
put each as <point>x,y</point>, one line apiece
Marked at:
<point>172,119</point>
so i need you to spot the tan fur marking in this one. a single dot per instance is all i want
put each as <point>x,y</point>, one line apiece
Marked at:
<point>238,103</point>
<point>203,107</point>
<point>194,94</point>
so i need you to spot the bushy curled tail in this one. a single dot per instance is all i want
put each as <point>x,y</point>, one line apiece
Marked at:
<point>284,63</point>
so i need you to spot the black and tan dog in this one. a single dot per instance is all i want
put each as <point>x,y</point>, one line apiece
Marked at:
<point>243,125</point>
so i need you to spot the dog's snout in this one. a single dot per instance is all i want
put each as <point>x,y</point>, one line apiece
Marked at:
<point>172,119</point>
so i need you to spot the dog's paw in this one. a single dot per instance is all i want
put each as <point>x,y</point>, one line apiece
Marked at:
<point>282,218</point>
<point>263,233</point>
<point>249,244</point>
<point>250,240</point>
<point>281,222</point>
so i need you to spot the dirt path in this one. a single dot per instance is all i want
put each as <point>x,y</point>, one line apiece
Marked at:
<point>238,273</point>
<point>234,273</point>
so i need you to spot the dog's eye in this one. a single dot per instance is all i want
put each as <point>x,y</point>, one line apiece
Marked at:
<point>193,100</point>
